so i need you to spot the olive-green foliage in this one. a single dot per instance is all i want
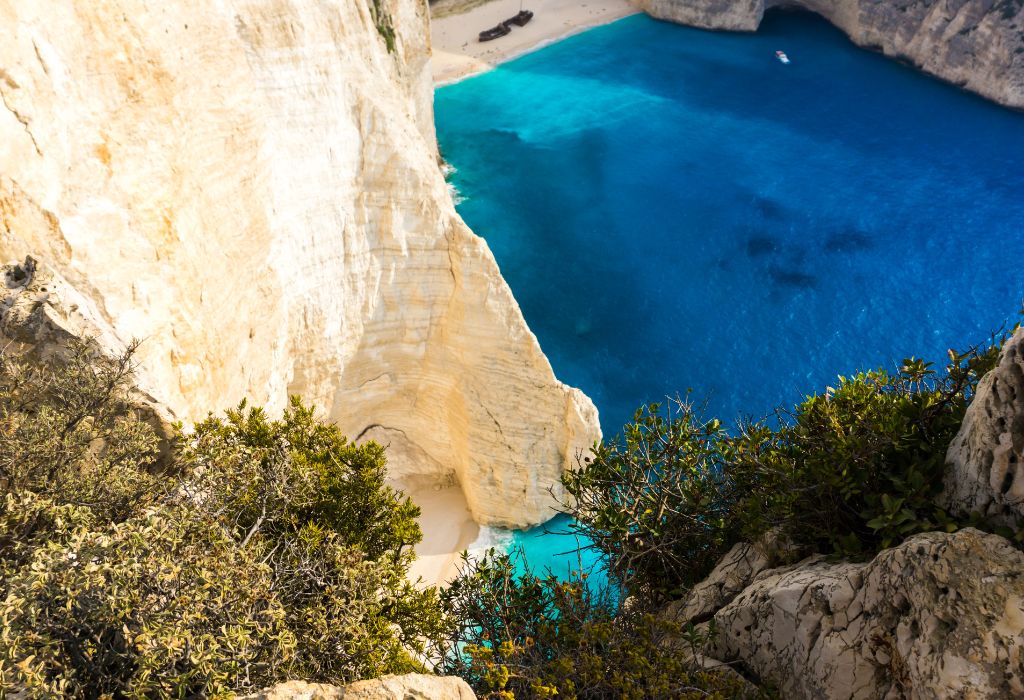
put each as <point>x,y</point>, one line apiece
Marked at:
<point>656,503</point>
<point>385,25</point>
<point>524,636</point>
<point>316,508</point>
<point>160,605</point>
<point>852,470</point>
<point>69,431</point>
<point>857,468</point>
<point>264,550</point>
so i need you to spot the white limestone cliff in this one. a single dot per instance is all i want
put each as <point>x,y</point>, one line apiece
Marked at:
<point>976,44</point>
<point>252,188</point>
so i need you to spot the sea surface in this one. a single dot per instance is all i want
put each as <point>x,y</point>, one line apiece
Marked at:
<point>675,210</point>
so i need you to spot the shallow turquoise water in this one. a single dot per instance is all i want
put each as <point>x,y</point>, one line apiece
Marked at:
<point>676,209</point>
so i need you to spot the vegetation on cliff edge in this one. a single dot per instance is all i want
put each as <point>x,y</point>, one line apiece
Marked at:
<point>263,550</point>
<point>254,550</point>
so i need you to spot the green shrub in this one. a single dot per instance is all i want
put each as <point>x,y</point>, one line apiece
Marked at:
<point>69,430</point>
<point>162,605</point>
<point>118,582</point>
<point>316,508</point>
<point>850,471</point>
<point>656,503</point>
<point>857,468</point>
<point>524,636</point>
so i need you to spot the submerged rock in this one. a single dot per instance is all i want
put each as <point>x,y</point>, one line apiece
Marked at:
<point>976,44</point>
<point>985,462</point>
<point>939,616</point>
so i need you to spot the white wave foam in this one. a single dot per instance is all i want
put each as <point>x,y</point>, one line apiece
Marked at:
<point>457,197</point>
<point>490,537</point>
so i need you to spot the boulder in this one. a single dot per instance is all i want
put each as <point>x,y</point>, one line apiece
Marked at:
<point>939,616</point>
<point>411,686</point>
<point>736,570</point>
<point>985,462</point>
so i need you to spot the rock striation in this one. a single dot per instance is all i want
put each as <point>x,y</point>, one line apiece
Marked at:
<point>938,616</point>
<point>412,686</point>
<point>252,188</point>
<point>985,462</point>
<point>975,44</point>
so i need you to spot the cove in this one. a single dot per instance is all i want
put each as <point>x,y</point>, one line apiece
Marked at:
<point>675,209</point>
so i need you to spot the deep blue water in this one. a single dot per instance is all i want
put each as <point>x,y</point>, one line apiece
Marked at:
<point>676,209</point>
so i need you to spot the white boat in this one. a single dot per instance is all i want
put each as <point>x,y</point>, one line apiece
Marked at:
<point>782,56</point>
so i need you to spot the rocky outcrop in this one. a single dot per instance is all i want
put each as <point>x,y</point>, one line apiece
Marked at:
<point>736,570</point>
<point>40,313</point>
<point>985,462</point>
<point>251,187</point>
<point>976,44</point>
<point>939,616</point>
<point>412,686</point>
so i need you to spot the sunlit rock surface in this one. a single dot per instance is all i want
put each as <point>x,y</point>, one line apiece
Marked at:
<point>938,616</point>
<point>985,462</point>
<point>252,188</point>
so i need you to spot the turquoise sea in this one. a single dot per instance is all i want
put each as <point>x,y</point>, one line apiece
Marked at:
<point>675,209</point>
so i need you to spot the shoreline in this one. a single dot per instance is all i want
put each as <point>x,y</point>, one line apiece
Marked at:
<point>457,54</point>
<point>448,530</point>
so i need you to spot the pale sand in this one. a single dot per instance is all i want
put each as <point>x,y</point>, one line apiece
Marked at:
<point>448,530</point>
<point>458,54</point>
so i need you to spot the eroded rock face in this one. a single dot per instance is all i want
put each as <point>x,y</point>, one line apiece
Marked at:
<point>976,44</point>
<point>939,616</point>
<point>412,686</point>
<point>252,188</point>
<point>985,462</point>
<point>736,570</point>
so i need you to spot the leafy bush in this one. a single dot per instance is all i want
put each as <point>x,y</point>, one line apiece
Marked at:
<point>316,508</point>
<point>69,430</point>
<point>657,503</point>
<point>851,471</point>
<point>857,468</point>
<point>197,582</point>
<point>524,636</point>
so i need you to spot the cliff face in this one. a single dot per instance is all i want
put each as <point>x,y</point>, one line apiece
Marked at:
<point>976,44</point>
<point>251,186</point>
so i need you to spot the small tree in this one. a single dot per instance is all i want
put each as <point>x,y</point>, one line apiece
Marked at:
<point>657,503</point>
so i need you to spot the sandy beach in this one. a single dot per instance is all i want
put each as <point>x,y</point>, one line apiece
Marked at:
<point>448,530</point>
<point>456,23</point>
